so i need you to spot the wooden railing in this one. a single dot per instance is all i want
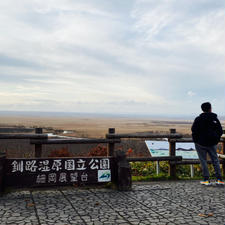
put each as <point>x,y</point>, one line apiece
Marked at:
<point>38,139</point>
<point>173,138</point>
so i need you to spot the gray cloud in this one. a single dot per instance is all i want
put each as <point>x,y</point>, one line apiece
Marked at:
<point>18,62</point>
<point>125,56</point>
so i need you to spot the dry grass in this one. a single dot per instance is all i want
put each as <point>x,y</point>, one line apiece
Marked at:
<point>98,127</point>
<point>87,127</point>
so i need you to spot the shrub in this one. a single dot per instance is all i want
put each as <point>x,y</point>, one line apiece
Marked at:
<point>99,150</point>
<point>60,153</point>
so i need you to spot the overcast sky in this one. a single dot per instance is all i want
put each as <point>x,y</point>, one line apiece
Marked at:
<point>118,56</point>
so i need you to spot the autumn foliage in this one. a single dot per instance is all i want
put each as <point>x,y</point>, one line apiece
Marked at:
<point>129,152</point>
<point>60,153</point>
<point>102,151</point>
<point>99,150</point>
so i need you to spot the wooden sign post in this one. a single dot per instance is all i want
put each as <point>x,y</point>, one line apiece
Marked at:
<point>38,147</point>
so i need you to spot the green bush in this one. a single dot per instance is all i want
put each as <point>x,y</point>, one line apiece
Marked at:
<point>147,171</point>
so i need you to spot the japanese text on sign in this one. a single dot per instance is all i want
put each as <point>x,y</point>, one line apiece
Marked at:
<point>56,165</point>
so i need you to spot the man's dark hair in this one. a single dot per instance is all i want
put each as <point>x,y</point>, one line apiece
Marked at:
<point>206,107</point>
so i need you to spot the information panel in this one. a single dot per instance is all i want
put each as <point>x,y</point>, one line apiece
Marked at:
<point>161,148</point>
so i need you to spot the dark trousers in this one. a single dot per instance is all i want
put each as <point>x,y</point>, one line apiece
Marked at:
<point>202,154</point>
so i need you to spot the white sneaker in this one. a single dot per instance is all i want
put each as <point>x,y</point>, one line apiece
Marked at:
<point>205,182</point>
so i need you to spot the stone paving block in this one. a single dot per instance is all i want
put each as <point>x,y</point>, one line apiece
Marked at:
<point>164,203</point>
<point>17,208</point>
<point>53,208</point>
<point>87,203</point>
<point>191,197</point>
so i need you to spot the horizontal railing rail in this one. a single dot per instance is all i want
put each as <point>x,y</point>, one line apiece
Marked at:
<point>75,141</point>
<point>189,140</point>
<point>144,135</point>
<point>192,161</point>
<point>159,158</point>
<point>23,136</point>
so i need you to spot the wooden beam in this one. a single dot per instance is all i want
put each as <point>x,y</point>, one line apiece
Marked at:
<point>144,135</point>
<point>188,162</point>
<point>158,158</point>
<point>189,140</point>
<point>23,136</point>
<point>74,141</point>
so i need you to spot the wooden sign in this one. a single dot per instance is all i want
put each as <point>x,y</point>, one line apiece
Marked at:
<point>58,171</point>
<point>2,161</point>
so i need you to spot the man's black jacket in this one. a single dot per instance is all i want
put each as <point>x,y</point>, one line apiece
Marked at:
<point>206,129</point>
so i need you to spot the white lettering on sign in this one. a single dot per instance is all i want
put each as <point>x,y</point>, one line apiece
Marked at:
<point>44,166</point>
<point>41,179</point>
<point>94,164</point>
<point>84,177</point>
<point>62,177</point>
<point>104,164</point>
<point>70,164</point>
<point>30,166</point>
<point>74,177</point>
<point>57,164</point>
<point>17,166</point>
<point>52,178</point>
<point>53,171</point>
<point>81,164</point>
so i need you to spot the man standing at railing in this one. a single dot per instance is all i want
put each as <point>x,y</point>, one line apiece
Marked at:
<point>206,133</point>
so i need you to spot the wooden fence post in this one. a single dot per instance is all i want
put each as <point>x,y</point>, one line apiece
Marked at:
<point>123,172</point>
<point>111,146</point>
<point>38,147</point>
<point>172,152</point>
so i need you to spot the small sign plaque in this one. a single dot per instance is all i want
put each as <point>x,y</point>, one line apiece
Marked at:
<point>104,175</point>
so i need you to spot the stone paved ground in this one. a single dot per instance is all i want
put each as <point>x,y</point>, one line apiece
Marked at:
<point>149,203</point>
